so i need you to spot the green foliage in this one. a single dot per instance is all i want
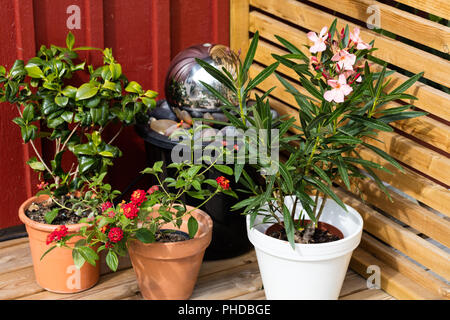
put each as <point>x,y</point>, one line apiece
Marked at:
<point>52,106</point>
<point>330,133</point>
<point>149,214</point>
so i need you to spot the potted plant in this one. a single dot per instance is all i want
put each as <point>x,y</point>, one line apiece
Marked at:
<point>166,239</point>
<point>73,118</point>
<point>303,233</point>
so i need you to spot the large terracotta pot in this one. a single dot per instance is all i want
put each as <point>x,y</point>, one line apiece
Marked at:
<point>169,271</point>
<point>56,272</point>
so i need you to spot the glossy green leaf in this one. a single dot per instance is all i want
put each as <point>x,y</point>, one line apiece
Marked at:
<point>192,227</point>
<point>145,235</point>
<point>112,260</point>
<point>86,91</point>
<point>134,87</point>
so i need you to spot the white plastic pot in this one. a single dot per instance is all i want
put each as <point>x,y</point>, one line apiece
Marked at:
<point>311,271</point>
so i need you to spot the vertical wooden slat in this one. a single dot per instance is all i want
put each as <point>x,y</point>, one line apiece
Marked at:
<point>18,181</point>
<point>144,36</point>
<point>239,25</point>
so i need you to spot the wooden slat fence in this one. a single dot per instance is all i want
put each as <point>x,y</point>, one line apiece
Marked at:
<point>409,237</point>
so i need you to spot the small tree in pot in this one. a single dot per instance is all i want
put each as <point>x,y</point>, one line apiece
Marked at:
<point>342,104</point>
<point>73,119</point>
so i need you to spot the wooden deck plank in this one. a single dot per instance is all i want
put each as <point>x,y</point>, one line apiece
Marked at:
<point>229,283</point>
<point>15,257</point>
<point>236,278</point>
<point>369,294</point>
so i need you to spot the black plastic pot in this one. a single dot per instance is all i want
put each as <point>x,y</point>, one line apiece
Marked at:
<point>229,237</point>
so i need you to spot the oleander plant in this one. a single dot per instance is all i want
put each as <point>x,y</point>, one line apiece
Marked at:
<point>342,104</point>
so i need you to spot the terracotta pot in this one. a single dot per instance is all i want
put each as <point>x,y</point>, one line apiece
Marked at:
<point>56,272</point>
<point>169,271</point>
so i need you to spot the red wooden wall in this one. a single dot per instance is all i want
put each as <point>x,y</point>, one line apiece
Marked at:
<point>144,36</point>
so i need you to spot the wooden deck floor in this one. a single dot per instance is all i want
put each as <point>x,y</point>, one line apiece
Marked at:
<point>236,278</point>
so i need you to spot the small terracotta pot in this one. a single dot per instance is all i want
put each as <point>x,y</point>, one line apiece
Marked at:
<point>56,272</point>
<point>169,271</point>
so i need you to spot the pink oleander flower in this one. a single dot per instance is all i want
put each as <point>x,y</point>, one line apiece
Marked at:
<point>345,60</point>
<point>360,44</point>
<point>319,40</point>
<point>339,91</point>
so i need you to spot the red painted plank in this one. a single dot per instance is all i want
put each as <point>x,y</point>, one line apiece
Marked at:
<point>18,182</point>
<point>144,36</point>
<point>197,22</point>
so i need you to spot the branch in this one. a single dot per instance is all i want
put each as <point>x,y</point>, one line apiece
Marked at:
<point>116,135</point>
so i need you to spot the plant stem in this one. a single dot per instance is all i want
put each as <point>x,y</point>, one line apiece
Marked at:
<point>316,144</point>
<point>294,208</point>
<point>61,205</point>
<point>322,205</point>
<point>40,159</point>
<point>116,135</point>
<point>241,107</point>
<point>35,150</point>
<point>70,136</point>
<point>273,214</point>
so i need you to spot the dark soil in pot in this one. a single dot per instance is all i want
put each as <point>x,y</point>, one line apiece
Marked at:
<point>169,235</point>
<point>37,211</point>
<point>323,234</point>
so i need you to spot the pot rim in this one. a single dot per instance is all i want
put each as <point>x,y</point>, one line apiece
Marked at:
<point>43,226</point>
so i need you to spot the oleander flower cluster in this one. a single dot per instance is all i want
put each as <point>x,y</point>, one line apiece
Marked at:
<point>338,61</point>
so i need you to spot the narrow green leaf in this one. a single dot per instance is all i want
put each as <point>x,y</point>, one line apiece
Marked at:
<point>289,226</point>
<point>408,83</point>
<point>250,53</point>
<point>385,156</point>
<point>292,48</point>
<point>322,174</point>
<point>325,189</point>
<point>261,76</point>
<point>342,169</point>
